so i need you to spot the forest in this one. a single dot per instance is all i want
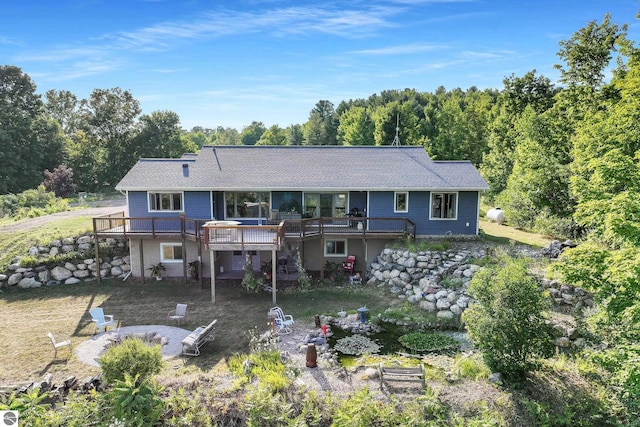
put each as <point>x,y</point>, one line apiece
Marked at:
<point>562,160</point>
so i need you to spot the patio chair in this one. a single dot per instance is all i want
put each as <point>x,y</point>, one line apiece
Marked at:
<point>281,321</point>
<point>101,320</point>
<point>179,314</point>
<point>57,345</point>
<point>350,264</point>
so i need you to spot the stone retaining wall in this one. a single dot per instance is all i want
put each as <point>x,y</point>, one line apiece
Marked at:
<point>84,269</point>
<point>437,281</point>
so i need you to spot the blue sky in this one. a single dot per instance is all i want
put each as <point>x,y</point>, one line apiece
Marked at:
<point>228,63</point>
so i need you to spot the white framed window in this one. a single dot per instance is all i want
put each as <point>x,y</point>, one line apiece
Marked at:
<point>401,201</point>
<point>335,248</point>
<point>444,206</point>
<point>171,252</point>
<point>165,201</point>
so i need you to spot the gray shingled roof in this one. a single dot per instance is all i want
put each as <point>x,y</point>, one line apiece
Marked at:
<point>308,168</point>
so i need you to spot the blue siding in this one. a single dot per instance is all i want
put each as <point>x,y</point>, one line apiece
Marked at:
<point>197,205</point>
<point>381,204</point>
<point>467,214</point>
<point>358,199</point>
<point>138,205</point>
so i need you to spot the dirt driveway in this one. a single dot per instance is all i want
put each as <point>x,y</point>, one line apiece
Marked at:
<point>99,208</point>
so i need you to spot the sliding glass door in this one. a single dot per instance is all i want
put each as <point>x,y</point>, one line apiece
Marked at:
<point>325,205</point>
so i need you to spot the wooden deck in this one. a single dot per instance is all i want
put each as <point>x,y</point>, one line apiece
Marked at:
<point>218,236</point>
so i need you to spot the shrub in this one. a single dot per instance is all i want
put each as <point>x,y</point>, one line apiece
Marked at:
<point>561,228</point>
<point>266,366</point>
<point>132,357</point>
<point>251,282</point>
<point>507,324</point>
<point>59,181</point>
<point>31,203</point>
<point>421,342</point>
<point>135,402</point>
<point>470,367</point>
<point>304,279</point>
<point>30,405</point>
<point>333,271</point>
<point>362,410</point>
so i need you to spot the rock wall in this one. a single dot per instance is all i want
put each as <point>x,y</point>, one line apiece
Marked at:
<point>437,281</point>
<point>84,270</point>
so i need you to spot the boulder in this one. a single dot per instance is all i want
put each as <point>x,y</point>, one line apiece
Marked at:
<point>60,273</point>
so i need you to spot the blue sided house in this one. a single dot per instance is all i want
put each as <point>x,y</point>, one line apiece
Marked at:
<point>277,207</point>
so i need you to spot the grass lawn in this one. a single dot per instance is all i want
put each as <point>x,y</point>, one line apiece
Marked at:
<point>505,234</point>
<point>27,315</point>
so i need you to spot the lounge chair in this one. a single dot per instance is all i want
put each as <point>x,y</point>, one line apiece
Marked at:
<point>58,344</point>
<point>179,314</point>
<point>101,320</point>
<point>196,339</point>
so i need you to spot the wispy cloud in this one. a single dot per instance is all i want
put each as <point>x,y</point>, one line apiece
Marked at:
<point>400,49</point>
<point>276,23</point>
<point>10,41</point>
<point>167,35</point>
<point>487,55</point>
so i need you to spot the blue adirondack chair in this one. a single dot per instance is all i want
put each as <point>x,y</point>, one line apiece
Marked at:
<point>101,320</point>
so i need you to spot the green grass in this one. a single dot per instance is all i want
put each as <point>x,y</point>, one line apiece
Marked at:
<point>506,235</point>
<point>17,243</point>
<point>27,315</point>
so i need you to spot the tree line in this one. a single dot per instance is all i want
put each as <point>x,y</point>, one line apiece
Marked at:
<point>559,159</point>
<point>538,145</point>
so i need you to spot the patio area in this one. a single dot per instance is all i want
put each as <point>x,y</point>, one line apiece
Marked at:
<point>89,351</point>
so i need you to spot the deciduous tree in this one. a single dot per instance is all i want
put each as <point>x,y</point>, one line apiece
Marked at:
<point>507,323</point>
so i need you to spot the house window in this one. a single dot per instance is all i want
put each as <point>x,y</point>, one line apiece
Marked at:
<point>170,252</point>
<point>401,201</point>
<point>325,205</point>
<point>165,201</point>
<point>335,248</point>
<point>247,205</point>
<point>444,205</point>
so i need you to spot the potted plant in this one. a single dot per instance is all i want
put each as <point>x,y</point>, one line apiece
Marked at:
<point>266,270</point>
<point>193,268</point>
<point>156,270</point>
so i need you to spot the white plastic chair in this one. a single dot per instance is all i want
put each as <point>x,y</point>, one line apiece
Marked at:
<point>57,345</point>
<point>282,321</point>
<point>101,320</point>
<point>179,314</point>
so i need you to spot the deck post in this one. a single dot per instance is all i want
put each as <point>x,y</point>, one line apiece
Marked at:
<point>212,262</point>
<point>141,259</point>
<point>273,276</point>
<point>95,234</point>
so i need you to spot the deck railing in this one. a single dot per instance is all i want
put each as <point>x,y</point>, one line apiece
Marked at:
<point>118,224</point>
<point>243,234</point>
<point>357,227</point>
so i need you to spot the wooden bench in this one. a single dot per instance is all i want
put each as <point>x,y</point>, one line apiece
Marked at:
<point>402,374</point>
<point>196,339</point>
